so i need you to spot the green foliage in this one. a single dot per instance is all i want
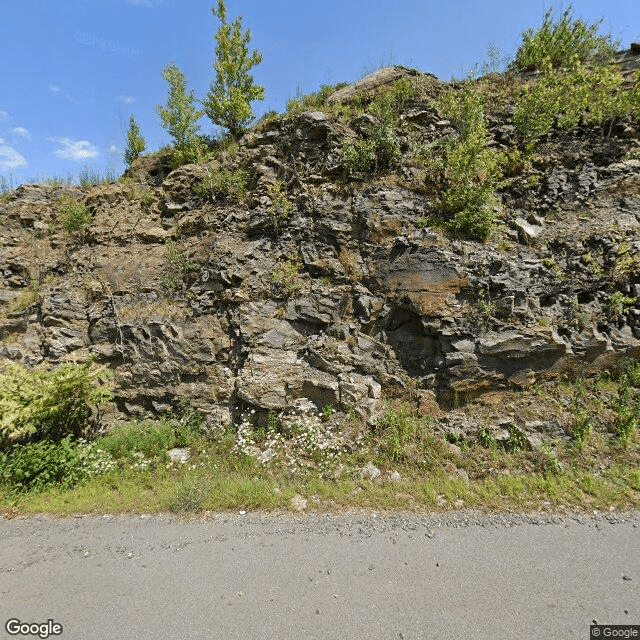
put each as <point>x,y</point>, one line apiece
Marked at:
<point>267,116</point>
<point>151,438</point>
<point>135,142</point>
<point>188,495</point>
<point>315,100</point>
<point>280,208</point>
<point>285,276</point>
<point>146,199</point>
<point>387,104</point>
<point>378,149</point>
<point>563,97</point>
<point>376,153</point>
<point>464,172</point>
<point>485,437</point>
<point>27,297</point>
<point>228,101</point>
<point>407,438</point>
<point>582,420</point>
<point>49,405</point>
<point>627,407</point>
<point>556,42</point>
<point>36,466</point>
<point>177,267</point>
<point>73,215</point>
<point>180,117</point>
<point>224,184</point>
<point>577,81</point>
<point>516,441</point>
<point>619,304</point>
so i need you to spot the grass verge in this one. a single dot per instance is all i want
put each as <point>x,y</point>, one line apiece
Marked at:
<point>430,475</point>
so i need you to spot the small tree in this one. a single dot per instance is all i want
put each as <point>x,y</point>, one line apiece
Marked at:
<point>556,43</point>
<point>135,142</point>
<point>180,117</point>
<point>228,101</point>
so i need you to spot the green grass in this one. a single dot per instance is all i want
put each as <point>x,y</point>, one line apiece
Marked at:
<point>181,491</point>
<point>220,477</point>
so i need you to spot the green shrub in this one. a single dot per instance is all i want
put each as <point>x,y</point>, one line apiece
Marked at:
<point>378,150</point>
<point>387,104</point>
<point>464,171</point>
<point>35,466</point>
<point>315,100</point>
<point>286,276</point>
<point>555,43</point>
<point>516,441</point>
<point>73,215</point>
<point>619,304</point>
<point>280,208</point>
<point>376,153</point>
<point>189,495</point>
<point>146,199</point>
<point>224,184</point>
<point>49,405</point>
<point>151,438</point>
<point>485,437</point>
<point>582,420</point>
<point>564,97</point>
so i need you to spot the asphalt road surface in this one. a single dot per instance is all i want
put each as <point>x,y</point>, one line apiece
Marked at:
<point>462,575</point>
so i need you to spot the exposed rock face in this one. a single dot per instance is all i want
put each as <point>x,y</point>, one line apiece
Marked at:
<point>373,82</point>
<point>345,300</point>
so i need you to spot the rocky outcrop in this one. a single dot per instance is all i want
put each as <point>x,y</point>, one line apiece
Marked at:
<point>374,82</point>
<point>343,297</point>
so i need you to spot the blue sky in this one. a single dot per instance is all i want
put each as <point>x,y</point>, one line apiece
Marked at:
<point>73,71</point>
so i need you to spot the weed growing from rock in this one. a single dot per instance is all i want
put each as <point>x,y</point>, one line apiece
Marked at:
<point>73,215</point>
<point>280,208</point>
<point>286,276</point>
<point>224,184</point>
<point>26,297</point>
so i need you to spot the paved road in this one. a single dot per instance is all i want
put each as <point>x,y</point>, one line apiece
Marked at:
<point>355,576</point>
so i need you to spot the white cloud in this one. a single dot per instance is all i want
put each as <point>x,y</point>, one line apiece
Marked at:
<point>9,157</point>
<point>113,149</point>
<point>22,132</point>
<point>3,114</point>
<point>126,99</point>
<point>77,150</point>
<point>54,88</point>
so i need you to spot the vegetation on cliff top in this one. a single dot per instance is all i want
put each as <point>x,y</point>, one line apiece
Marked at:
<point>46,416</point>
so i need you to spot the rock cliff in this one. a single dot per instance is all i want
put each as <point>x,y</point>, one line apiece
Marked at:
<point>323,286</point>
